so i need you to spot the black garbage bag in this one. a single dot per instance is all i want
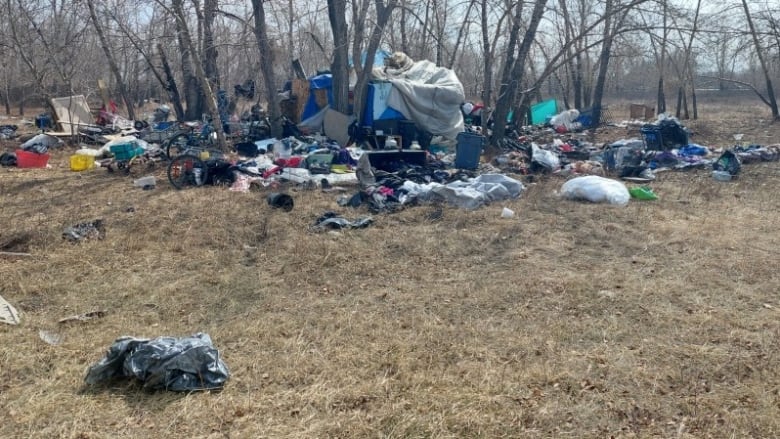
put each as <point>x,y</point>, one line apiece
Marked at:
<point>729,162</point>
<point>178,364</point>
<point>7,159</point>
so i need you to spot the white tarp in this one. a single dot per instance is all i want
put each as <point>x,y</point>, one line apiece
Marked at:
<point>425,93</point>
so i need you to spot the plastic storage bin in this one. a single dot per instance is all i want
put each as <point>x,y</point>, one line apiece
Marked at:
<point>26,159</point>
<point>468,150</point>
<point>81,162</point>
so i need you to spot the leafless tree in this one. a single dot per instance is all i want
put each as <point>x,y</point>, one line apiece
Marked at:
<point>340,65</point>
<point>267,65</point>
<point>771,99</point>
<point>111,60</point>
<point>200,74</point>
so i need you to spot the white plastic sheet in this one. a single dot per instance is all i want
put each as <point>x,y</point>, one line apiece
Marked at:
<point>470,194</point>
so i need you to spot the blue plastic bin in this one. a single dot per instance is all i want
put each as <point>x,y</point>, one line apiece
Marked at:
<point>468,150</point>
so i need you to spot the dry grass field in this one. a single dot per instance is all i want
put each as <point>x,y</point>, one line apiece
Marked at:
<point>659,319</point>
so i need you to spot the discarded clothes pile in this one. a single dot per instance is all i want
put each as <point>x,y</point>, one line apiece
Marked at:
<point>41,144</point>
<point>333,221</point>
<point>757,153</point>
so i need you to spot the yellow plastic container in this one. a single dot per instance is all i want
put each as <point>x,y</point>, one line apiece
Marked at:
<point>81,162</point>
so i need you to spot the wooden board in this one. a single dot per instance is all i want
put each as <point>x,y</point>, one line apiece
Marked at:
<point>637,111</point>
<point>300,89</point>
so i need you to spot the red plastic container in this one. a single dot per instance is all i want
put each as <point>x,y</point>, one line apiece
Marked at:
<point>26,159</point>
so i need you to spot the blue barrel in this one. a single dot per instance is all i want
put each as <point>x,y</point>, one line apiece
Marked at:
<point>468,150</point>
<point>43,121</point>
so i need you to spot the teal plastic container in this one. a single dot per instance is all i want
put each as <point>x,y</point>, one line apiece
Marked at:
<point>126,151</point>
<point>468,150</point>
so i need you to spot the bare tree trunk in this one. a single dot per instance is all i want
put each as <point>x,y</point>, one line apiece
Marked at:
<point>661,98</point>
<point>111,61</point>
<point>383,13</point>
<point>693,99</point>
<point>574,61</point>
<point>7,94</point>
<point>267,66</point>
<point>487,72</point>
<point>606,52</point>
<point>507,82</point>
<point>680,93</point>
<point>191,91</point>
<point>210,53</point>
<point>210,98</point>
<point>340,66</point>
<point>770,91</point>
<point>359,13</point>
<point>512,79</point>
<point>404,37</point>
<point>170,84</point>
<point>439,33</point>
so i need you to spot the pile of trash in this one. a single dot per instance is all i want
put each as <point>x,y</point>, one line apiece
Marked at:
<point>664,146</point>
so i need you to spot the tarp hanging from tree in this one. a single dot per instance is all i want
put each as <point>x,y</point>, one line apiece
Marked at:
<point>425,93</point>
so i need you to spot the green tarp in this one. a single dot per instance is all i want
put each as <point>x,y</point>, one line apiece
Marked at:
<point>541,111</point>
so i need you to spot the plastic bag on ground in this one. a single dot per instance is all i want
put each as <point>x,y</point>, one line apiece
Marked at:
<point>477,192</point>
<point>565,119</point>
<point>178,364</point>
<point>548,159</point>
<point>596,190</point>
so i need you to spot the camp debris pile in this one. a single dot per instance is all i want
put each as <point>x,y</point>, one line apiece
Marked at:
<point>414,139</point>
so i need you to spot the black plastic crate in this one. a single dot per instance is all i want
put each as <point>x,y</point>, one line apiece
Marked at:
<point>653,138</point>
<point>664,136</point>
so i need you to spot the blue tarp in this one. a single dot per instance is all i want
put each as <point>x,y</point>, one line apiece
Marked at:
<point>319,82</point>
<point>376,104</point>
<point>325,81</point>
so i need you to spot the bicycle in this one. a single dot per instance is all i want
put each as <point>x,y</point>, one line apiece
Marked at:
<point>202,138</point>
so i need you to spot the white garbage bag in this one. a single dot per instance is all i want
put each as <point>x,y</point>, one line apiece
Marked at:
<point>596,190</point>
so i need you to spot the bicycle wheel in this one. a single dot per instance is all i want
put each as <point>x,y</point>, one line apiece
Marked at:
<point>177,145</point>
<point>187,170</point>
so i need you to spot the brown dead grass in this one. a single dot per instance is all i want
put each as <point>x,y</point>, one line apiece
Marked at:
<point>571,320</point>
